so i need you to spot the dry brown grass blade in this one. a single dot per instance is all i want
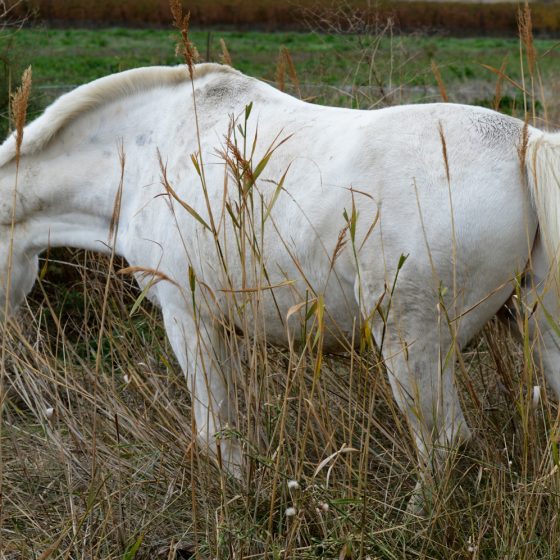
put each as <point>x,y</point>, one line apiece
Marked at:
<point>281,72</point>
<point>522,151</point>
<point>499,82</point>
<point>285,65</point>
<point>171,192</point>
<point>291,70</point>
<point>505,77</point>
<point>444,152</point>
<point>118,198</point>
<point>258,288</point>
<point>226,57</point>
<point>145,272</point>
<point>439,80</point>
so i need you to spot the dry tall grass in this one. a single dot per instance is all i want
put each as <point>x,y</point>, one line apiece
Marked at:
<point>98,458</point>
<point>98,465</point>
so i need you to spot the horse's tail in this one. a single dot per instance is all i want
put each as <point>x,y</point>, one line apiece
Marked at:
<point>543,172</point>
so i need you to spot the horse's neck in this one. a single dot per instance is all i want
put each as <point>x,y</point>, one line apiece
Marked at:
<point>60,200</point>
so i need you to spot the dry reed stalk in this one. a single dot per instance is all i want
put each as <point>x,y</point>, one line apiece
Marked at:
<point>114,230</point>
<point>190,53</point>
<point>499,83</point>
<point>19,103</point>
<point>281,72</point>
<point>525,31</point>
<point>285,64</point>
<point>439,80</point>
<point>525,24</point>
<point>291,70</point>
<point>226,57</point>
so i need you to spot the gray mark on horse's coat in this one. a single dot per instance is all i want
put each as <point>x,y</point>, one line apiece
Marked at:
<point>496,129</point>
<point>143,139</point>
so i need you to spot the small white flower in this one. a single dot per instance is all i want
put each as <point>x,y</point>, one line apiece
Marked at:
<point>293,485</point>
<point>471,548</point>
<point>290,512</point>
<point>49,412</point>
<point>324,506</point>
<point>510,463</point>
<point>126,378</point>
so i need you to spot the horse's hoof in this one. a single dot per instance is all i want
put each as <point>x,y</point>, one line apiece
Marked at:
<point>231,456</point>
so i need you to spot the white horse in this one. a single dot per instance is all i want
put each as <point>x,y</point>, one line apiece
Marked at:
<point>334,202</point>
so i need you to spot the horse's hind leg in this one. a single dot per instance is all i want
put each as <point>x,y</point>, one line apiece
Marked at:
<point>198,346</point>
<point>422,380</point>
<point>421,373</point>
<point>419,353</point>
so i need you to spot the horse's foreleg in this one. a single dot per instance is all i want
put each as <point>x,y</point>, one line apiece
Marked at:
<point>198,346</point>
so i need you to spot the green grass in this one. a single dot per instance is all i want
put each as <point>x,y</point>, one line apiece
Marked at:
<point>330,67</point>
<point>78,55</point>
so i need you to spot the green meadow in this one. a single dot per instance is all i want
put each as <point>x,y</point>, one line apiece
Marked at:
<point>369,70</point>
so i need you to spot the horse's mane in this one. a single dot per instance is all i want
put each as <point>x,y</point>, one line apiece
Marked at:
<point>94,94</point>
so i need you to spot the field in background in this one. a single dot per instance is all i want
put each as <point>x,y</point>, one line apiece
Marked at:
<point>363,71</point>
<point>98,459</point>
<point>473,18</point>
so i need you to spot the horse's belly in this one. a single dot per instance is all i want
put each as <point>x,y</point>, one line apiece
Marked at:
<point>291,314</point>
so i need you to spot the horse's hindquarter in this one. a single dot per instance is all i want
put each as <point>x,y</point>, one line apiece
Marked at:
<point>452,198</point>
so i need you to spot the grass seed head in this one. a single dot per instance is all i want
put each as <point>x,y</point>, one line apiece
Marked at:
<point>20,101</point>
<point>185,47</point>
